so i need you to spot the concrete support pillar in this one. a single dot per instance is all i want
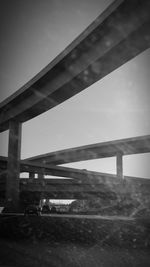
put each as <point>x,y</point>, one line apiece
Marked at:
<point>31,175</point>
<point>13,167</point>
<point>119,165</point>
<point>40,175</point>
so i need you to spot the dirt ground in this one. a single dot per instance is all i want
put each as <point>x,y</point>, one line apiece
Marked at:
<point>73,242</point>
<point>58,254</point>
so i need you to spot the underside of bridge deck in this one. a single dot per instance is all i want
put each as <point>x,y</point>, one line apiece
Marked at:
<point>115,37</point>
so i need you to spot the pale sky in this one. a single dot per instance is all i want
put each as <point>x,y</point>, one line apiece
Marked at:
<point>34,32</point>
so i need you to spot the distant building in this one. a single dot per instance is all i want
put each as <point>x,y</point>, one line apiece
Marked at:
<point>59,207</point>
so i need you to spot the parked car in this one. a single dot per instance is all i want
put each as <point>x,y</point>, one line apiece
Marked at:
<point>45,209</point>
<point>53,210</point>
<point>32,210</point>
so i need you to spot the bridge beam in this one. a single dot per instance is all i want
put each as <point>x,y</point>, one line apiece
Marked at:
<point>13,165</point>
<point>127,146</point>
<point>115,37</point>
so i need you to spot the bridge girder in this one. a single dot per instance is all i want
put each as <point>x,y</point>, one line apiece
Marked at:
<point>128,146</point>
<point>76,175</point>
<point>109,188</point>
<point>115,37</point>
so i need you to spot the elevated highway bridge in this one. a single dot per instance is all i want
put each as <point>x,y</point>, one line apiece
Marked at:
<point>119,34</point>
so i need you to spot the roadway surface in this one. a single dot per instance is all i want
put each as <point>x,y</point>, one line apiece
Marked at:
<point>76,216</point>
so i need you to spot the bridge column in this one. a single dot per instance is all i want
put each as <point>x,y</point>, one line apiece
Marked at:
<point>31,175</point>
<point>13,167</point>
<point>119,165</point>
<point>40,175</point>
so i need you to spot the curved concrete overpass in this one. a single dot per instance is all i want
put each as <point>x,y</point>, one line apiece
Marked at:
<point>116,36</point>
<point>128,146</point>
